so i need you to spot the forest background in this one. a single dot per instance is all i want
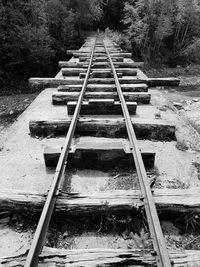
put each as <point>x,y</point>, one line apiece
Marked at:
<point>35,34</point>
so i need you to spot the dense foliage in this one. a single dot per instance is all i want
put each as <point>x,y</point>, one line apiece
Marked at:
<point>112,15</point>
<point>34,34</point>
<point>163,30</point>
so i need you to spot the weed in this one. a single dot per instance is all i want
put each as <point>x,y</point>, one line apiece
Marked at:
<point>143,240</point>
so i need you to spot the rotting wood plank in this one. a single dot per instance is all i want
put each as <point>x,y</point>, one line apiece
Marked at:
<point>125,80</point>
<point>77,71</point>
<point>151,82</point>
<point>101,107</point>
<point>102,257</point>
<point>42,83</point>
<point>68,64</point>
<point>100,74</point>
<point>60,98</point>
<point>101,54</point>
<point>104,88</point>
<point>113,53</point>
<point>101,59</point>
<point>87,51</point>
<point>169,201</point>
<point>144,129</point>
<point>73,71</point>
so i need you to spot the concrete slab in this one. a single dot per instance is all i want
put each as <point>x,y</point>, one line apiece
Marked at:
<point>21,156</point>
<point>44,110</point>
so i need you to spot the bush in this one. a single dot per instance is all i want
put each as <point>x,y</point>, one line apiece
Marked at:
<point>120,38</point>
<point>192,52</point>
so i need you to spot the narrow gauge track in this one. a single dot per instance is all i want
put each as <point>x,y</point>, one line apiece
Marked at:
<point>160,251</point>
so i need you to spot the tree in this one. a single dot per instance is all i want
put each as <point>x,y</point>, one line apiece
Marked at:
<point>113,14</point>
<point>87,12</point>
<point>161,29</point>
<point>34,35</point>
<point>25,41</point>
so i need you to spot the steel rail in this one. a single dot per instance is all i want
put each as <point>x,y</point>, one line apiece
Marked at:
<point>42,227</point>
<point>161,253</point>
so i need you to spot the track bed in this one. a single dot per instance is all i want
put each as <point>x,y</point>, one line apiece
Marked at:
<point>99,214</point>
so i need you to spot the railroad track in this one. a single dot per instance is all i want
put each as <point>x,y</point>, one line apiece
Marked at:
<point>101,51</point>
<point>100,84</point>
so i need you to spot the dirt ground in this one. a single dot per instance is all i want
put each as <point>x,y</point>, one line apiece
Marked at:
<point>188,71</point>
<point>185,102</point>
<point>186,97</point>
<point>12,106</point>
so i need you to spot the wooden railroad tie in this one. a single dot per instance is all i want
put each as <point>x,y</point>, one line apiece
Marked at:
<point>114,53</point>
<point>98,73</point>
<point>102,257</point>
<point>96,65</point>
<point>174,201</point>
<point>104,88</point>
<point>115,128</point>
<point>42,83</point>
<point>87,153</point>
<point>60,98</point>
<point>101,107</point>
